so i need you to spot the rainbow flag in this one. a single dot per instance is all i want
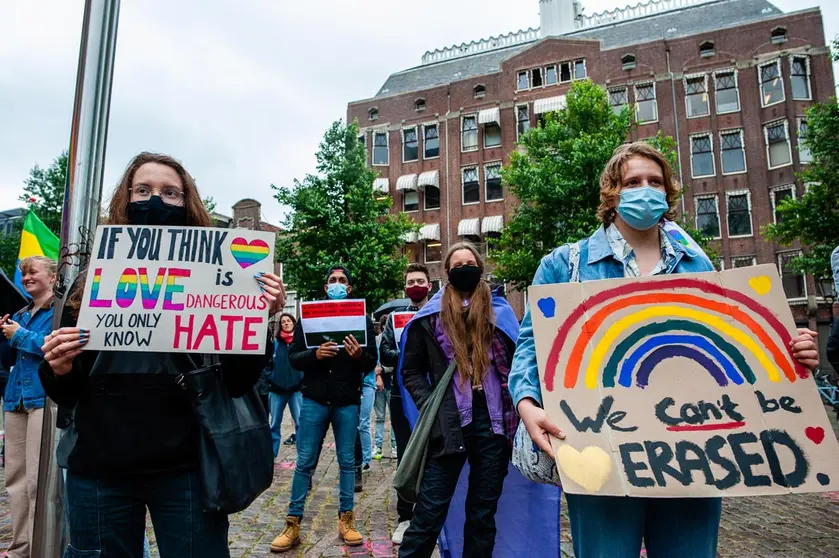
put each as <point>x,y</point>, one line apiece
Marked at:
<point>35,240</point>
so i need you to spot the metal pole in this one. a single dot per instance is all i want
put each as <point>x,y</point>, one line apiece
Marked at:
<point>82,196</point>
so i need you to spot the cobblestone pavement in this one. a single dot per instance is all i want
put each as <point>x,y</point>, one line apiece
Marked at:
<point>800,526</point>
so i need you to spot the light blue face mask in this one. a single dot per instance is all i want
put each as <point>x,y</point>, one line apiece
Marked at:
<point>642,208</point>
<point>336,291</point>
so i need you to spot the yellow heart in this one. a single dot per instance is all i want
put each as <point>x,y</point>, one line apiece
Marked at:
<point>590,468</point>
<point>761,284</point>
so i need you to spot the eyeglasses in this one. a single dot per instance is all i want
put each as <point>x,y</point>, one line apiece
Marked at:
<point>169,194</point>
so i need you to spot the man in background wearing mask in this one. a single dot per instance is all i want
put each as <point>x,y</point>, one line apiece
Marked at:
<point>331,387</point>
<point>417,286</point>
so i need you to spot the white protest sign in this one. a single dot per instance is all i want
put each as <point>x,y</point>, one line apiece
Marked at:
<point>177,289</point>
<point>400,320</point>
<point>333,320</point>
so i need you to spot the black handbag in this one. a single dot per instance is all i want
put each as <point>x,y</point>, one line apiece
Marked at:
<point>236,453</point>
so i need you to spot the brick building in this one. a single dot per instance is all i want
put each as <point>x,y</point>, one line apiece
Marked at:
<point>730,79</point>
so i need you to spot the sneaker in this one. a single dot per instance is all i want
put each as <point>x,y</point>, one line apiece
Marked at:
<point>399,532</point>
<point>377,454</point>
<point>290,537</point>
<point>394,453</point>
<point>347,531</point>
<point>291,440</point>
<point>366,469</point>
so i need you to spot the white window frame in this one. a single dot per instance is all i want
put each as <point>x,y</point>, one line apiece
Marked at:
<point>500,165</point>
<point>798,122</point>
<point>716,199</point>
<point>570,71</point>
<point>773,201</point>
<point>766,127</point>
<point>710,137</point>
<point>574,68</point>
<point>779,256</point>
<point>404,199</point>
<point>386,132</point>
<point>428,125</point>
<point>518,75</point>
<point>541,77</point>
<point>463,185</point>
<point>707,94</point>
<point>736,89</point>
<point>742,150</point>
<point>655,101</point>
<point>748,195</point>
<point>500,135</point>
<point>777,62</point>
<point>477,128</point>
<point>623,88</point>
<point>415,128</point>
<point>545,75</point>
<point>752,259</point>
<point>808,74</point>
<point>525,106</point>
<point>425,252</point>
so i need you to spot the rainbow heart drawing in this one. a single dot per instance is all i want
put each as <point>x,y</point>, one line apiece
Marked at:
<point>248,253</point>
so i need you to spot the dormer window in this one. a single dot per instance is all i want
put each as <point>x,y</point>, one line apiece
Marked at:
<point>628,61</point>
<point>779,35</point>
<point>480,91</point>
<point>373,114</point>
<point>419,105</point>
<point>706,49</point>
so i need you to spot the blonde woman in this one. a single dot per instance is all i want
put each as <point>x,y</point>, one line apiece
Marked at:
<point>23,335</point>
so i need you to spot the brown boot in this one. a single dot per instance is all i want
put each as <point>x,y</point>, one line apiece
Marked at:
<point>346,528</point>
<point>290,536</point>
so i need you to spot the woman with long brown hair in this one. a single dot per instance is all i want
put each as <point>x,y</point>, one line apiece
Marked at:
<point>134,440</point>
<point>466,324</point>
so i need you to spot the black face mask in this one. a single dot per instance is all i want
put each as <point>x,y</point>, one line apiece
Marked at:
<point>465,278</point>
<point>154,211</point>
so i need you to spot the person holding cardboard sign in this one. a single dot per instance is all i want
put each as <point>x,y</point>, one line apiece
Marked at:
<point>134,442</point>
<point>637,194</point>
<point>332,379</point>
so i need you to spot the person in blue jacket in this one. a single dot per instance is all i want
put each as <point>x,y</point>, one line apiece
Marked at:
<point>284,384</point>
<point>23,336</point>
<point>637,197</point>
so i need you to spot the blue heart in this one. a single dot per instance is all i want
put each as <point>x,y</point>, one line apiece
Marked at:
<point>547,306</point>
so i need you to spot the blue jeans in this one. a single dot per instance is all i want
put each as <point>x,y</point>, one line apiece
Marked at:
<point>276,406</point>
<point>380,406</point>
<point>606,526</point>
<point>368,397</point>
<point>107,517</point>
<point>311,430</point>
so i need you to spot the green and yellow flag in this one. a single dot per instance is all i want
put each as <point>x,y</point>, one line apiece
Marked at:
<point>35,240</point>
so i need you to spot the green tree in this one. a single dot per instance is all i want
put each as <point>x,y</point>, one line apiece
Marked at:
<point>43,192</point>
<point>335,218</point>
<point>209,204</point>
<point>813,219</point>
<point>556,177</point>
<point>9,249</point>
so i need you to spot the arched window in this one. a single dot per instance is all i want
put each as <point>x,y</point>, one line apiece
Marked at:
<point>706,49</point>
<point>628,61</point>
<point>419,105</point>
<point>779,35</point>
<point>373,114</point>
<point>480,91</point>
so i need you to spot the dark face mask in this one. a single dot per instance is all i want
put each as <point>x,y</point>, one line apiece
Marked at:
<point>465,278</point>
<point>417,293</point>
<point>154,211</point>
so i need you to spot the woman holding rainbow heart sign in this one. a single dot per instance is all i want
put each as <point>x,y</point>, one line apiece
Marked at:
<point>134,441</point>
<point>637,195</point>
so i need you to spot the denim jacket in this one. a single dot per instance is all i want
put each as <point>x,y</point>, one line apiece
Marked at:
<point>24,390</point>
<point>597,261</point>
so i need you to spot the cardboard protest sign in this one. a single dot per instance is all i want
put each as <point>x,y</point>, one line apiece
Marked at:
<point>333,320</point>
<point>400,320</point>
<point>680,385</point>
<point>177,289</point>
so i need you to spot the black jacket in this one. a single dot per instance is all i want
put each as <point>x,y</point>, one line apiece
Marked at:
<point>129,415</point>
<point>833,346</point>
<point>388,349</point>
<point>284,377</point>
<point>337,380</point>
<point>424,359</point>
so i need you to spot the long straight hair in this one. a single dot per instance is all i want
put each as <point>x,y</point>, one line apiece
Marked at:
<point>469,328</point>
<point>196,213</point>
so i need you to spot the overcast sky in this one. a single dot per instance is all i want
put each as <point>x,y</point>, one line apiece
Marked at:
<point>242,91</point>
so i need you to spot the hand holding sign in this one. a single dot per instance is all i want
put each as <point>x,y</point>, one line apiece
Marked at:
<point>62,346</point>
<point>327,350</point>
<point>274,291</point>
<point>352,347</point>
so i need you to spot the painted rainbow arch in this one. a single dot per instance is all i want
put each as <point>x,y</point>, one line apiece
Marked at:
<point>669,325</point>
